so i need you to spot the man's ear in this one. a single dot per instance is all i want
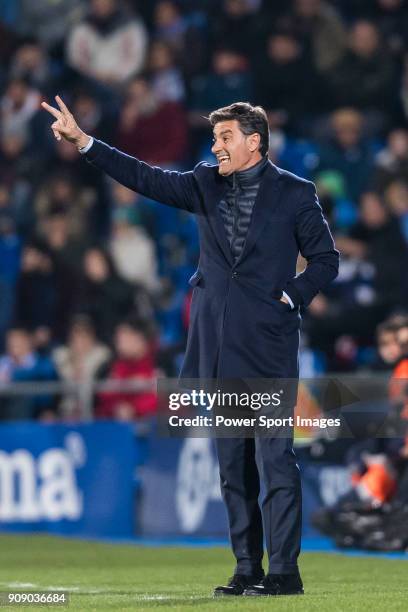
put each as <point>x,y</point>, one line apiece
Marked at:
<point>254,140</point>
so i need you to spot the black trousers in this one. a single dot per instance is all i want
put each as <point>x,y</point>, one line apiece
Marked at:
<point>243,463</point>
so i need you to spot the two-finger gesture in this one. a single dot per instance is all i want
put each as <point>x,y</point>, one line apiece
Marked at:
<point>65,125</point>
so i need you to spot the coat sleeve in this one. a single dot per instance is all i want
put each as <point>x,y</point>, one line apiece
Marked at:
<point>316,245</point>
<point>169,187</point>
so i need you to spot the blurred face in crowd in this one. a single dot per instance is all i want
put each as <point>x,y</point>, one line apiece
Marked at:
<point>61,190</point>
<point>398,143</point>
<point>283,48</point>
<point>390,5</point>
<point>103,8</point>
<point>41,337</point>
<point>4,196</point>
<point>19,344</point>
<point>396,197</point>
<point>166,14</point>
<point>372,210</point>
<point>236,8</point>
<point>234,150</point>
<point>12,145</point>
<point>307,8</point>
<point>29,56</point>
<point>161,56</point>
<point>96,266</point>
<point>87,112</point>
<point>388,347</point>
<point>130,343</point>
<point>347,126</point>
<point>140,95</point>
<point>225,62</point>
<point>81,338</point>
<point>17,93</point>
<point>57,230</point>
<point>364,39</point>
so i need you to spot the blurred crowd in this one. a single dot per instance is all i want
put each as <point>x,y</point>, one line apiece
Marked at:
<point>93,277</point>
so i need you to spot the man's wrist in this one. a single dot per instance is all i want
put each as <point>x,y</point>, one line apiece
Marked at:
<point>83,141</point>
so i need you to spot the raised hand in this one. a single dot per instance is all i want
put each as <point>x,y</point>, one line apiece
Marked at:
<point>65,125</point>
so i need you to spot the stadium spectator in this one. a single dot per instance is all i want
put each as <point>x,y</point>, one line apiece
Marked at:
<point>123,198</point>
<point>166,78</point>
<point>321,29</point>
<point>390,16</point>
<point>367,63</point>
<point>16,176</point>
<point>56,233</point>
<point>389,349</point>
<point>134,361</point>
<point>37,299</point>
<point>79,361</point>
<point>103,295</point>
<point>99,120</point>
<point>133,252</point>
<point>185,35</point>
<point>229,24</point>
<point>228,80</point>
<point>10,253</point>
<point>20,363</point>
<point>392,161</point>
<point>48,21</point>
<point>32,64</point>
<point>108,45</point>
<point>286,82</point>
<point>396,198</point>
<point>371,282</point>
<point>348,152</point>
<point>62,193</point>
<point>18,104</point>
<point>141,122</point>
<point>63,160</point>
<point>15,202</point>
<point>378,238</point>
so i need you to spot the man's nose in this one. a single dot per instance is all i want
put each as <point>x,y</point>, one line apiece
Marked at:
<point>215,148</point>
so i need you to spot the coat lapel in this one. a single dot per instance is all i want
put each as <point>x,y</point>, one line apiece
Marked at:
<point>266,201</point>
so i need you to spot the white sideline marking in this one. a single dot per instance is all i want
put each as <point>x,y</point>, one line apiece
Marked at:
<point>166,597</point>
<point>60,588</point>
<point>94,591</point>
<point>19,585</point>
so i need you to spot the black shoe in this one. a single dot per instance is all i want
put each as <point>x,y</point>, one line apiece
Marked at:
<point>277,584</point>
<point>237,584</point>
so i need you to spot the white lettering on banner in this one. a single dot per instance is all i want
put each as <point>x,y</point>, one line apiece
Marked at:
<point>198,482</point>
<point>43,487</point>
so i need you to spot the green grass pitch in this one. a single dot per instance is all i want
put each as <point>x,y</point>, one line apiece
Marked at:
<point>121,577</point>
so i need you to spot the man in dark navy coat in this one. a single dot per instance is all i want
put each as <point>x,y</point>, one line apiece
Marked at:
<point>254,220</point>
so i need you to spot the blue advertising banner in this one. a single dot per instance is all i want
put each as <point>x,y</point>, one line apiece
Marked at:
<point>65,479</point>
<point>180,489</point>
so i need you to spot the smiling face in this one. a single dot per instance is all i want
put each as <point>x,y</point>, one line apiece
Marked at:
<point>234,150</point>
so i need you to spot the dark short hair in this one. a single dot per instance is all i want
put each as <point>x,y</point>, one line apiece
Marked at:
<point>251,119</point>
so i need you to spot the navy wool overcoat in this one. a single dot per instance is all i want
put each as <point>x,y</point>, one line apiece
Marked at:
<point>238,326</point>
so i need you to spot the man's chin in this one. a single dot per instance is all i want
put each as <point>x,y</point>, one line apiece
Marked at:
<point>225,171</point>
